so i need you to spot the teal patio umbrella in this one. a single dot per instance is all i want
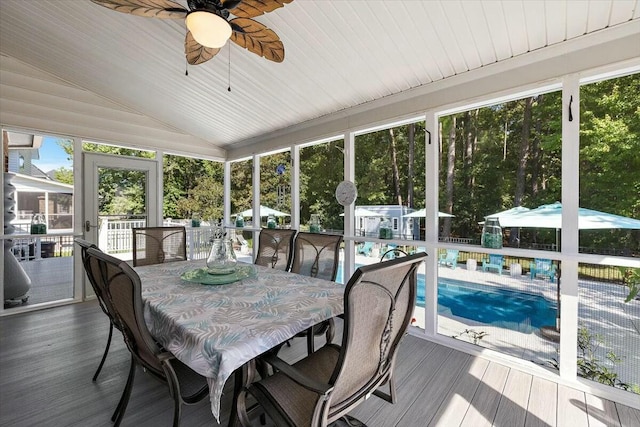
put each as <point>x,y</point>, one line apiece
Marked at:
<point>550,216</point>
<point>505,216</point>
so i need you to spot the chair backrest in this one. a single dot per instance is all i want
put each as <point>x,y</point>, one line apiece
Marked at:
<point>544,266</point>
<point>274,248</point>
<point>495,259</point>
<point>84,247</point>
<point>378,303</point>
<point>123,293</point>
<point>316,255</point>
<point>155,245</point>
<point>452,255</point>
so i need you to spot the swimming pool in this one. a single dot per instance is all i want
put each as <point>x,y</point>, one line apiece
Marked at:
<point>509,309</point>
<point>518,311</point>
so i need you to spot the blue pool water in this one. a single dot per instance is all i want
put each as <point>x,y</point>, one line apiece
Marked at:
<point>514,310</point>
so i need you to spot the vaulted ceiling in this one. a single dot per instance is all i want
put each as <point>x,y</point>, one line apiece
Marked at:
<point>66,59</point>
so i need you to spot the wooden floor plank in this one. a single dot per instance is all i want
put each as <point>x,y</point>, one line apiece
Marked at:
<point>484,404</point>
<point>543,403</point>
<point>428,400</point>
<point>572,409</point>
<point>601,412</point>
<point>512,409</point>
<point>411,353</point>
<point>386,414</point>
<point>456,402</point>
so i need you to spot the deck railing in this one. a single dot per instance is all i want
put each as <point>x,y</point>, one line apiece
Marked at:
<point>117,237</point>
<point>36,246</point>
<point>114,236</point>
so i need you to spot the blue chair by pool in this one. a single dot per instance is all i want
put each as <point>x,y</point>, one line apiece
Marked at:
<point>392,252</point>
<point>543,267</point>
<point>388,251</point>
<point>365,248</point>
<point>449,258</point>
<point>494,262</point>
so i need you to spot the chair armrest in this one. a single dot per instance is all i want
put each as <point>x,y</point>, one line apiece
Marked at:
<point>165,356</point>
<point>297,376</point>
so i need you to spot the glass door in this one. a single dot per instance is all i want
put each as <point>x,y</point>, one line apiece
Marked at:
<point>120,193</point>
<point>38,195</point>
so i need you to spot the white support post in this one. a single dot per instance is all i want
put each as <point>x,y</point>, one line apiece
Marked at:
<point>159,214</point>
<point>80,291</point>
<point>431,224</point>
<point>255,220</point>
<point>46,210</point>
<point>295,187</point>
<point>569,237</point>
<point>349,219</point>
<point>226,210</point>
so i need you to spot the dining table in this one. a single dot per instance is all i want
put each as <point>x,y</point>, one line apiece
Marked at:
<point>218,324</point>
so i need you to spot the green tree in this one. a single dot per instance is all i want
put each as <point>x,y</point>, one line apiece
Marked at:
<point>275,173</point>
<point>610,156</point>
<point>64,175</point>
<point>241,185</point>
<point>321,170</point>
<point>206,198</point>
<point>182,175</point>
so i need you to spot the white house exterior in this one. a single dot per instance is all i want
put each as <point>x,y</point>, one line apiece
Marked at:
<point>401,227</point>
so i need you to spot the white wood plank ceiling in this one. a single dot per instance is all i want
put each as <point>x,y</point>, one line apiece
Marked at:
<point>339,54</point>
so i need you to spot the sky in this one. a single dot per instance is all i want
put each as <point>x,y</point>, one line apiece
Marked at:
<point>52,156</point>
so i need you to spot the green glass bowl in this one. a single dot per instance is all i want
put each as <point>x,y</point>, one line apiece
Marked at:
<point>202,276</point>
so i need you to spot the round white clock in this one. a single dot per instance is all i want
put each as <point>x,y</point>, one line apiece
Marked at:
<point>346,193</point>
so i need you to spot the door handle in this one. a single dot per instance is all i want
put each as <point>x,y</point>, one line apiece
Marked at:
<point>88,226</point>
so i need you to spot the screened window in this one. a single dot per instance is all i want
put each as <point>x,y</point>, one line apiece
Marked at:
<point>321,169</point>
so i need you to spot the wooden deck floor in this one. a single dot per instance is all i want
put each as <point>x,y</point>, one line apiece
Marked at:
<point>47,359</point>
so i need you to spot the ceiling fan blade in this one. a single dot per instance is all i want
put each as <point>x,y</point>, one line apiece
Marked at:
<point>253,8</point>
<point>257,38</point>
<point>164,9</point>
<point>195,52</point>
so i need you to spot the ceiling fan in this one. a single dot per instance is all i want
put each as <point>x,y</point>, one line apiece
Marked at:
<point>208,24</point>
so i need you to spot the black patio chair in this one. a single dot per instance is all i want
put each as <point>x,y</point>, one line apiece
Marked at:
<point>156,245</point>
<point>124,298</point>
<point>84,246</point>
<point>323,387</point>
<point>317,255</point>
<point>274,248</point>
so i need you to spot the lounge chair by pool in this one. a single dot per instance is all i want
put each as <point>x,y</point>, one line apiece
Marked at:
<point>365,248</point>
<point>543,267</point>
<point>494,262</point>
<point>450,258</point>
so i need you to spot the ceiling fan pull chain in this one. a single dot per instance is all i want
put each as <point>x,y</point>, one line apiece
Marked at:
<point>186,68</point>
<point>229,75</point>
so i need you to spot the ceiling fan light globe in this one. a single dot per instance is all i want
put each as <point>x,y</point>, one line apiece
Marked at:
<point>208,29</point>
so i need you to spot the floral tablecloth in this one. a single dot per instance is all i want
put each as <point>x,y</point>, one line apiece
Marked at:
<point>216,329</point>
